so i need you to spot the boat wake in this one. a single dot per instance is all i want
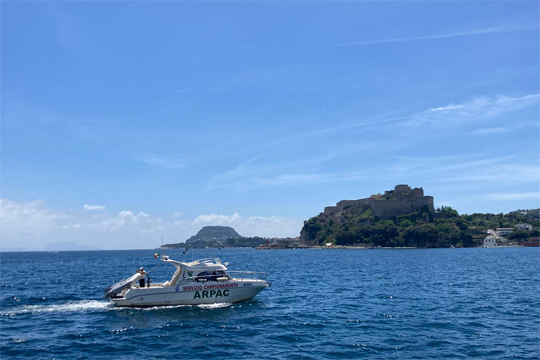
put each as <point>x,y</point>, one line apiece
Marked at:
<point>72,306</point>
<point>95,305</point>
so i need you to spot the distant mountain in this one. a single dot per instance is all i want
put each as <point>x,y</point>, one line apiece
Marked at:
<point>211,236</point>
<point>214,232</point>
<point>68,246</point>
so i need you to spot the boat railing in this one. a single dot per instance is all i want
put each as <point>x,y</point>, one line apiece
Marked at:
<point>229,276</point>
<point>241,275</point>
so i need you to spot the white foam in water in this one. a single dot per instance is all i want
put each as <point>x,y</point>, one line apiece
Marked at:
<point>75,306</point>
<point>93,305</point>
<point>214,306</point>
<point>153,308</point>
<point>202,306</point>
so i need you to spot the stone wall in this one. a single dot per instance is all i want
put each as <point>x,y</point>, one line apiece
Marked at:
<point>386,209</point>
<point>403,199</point>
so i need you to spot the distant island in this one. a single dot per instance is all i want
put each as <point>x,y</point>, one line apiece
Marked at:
<point>56,246</point>
<point>68,246</point>
<point>226,236</point>
<point>208,236</point>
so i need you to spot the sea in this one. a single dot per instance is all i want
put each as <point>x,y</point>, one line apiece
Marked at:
<point>472,303</point>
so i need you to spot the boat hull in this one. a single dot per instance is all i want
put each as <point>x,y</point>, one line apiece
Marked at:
<point>191,294</point>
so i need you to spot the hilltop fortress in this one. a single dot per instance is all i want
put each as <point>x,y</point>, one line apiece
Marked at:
<point>392,203</point>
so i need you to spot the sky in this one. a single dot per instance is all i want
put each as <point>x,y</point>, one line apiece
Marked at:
<point>123,123</point>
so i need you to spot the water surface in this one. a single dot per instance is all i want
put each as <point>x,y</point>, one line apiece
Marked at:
<point>323,304</point>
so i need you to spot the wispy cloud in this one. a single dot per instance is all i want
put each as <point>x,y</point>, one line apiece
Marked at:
<point>503,129</point>
<point>438,164</point>
<point>448,115</point>
<point>490,131</point>
<point>448,119</point>
<point>468,113</point>
<point>511,196</point>
<point>469,169</point>
<point>169,162</point>
<point>251,175</point>
<point>87,207</point>
<point>215,219</point>
<point>349,127</point>
<point>491,30</point>
<point>449,107</point>
<point>64,24</point>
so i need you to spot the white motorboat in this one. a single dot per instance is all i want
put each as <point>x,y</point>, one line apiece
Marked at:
<point>204,281</point>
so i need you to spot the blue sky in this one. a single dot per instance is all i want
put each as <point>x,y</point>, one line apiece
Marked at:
<point>162,117</point>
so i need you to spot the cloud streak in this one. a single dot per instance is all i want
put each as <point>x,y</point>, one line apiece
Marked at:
<point>163,161</point>
<point>512,196</point>
<point>503,129</point>
<point>441,121</point>
<point>468,113</point>
<point>491,30</point>
<point>87,207</point>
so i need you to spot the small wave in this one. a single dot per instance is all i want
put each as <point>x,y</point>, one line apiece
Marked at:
<point>214,306</point>
<point>75,306</point>
<point>154,308</point>
<point>168,307</point>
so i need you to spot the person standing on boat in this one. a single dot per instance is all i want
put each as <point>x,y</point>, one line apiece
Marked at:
<point>141,280</point>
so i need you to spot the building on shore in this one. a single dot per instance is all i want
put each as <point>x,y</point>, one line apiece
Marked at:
<point>533,242</point>
<point>504,231</point>
<point>490,240</point>
<point>524,227</point>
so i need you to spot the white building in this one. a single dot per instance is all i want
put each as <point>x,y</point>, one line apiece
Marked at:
<point>524,227</point>
<point>490,241</point>
<point>504,231</point>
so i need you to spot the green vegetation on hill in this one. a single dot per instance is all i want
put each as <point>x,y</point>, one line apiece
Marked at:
<point>245,241</point>
<point>444,228</point>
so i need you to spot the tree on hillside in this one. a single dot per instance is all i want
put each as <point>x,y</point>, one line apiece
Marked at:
<point>421,235</point>
<point>312,228</point>
<point>519,235</point>
<point>385,235</point>
<point>448,211</point>
<point>534,233</point>
<point>345,235</point>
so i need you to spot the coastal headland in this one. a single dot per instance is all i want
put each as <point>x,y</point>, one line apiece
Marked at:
<point>403,217</point>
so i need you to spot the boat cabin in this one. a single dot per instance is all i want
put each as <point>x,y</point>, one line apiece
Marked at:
<point>199,271</point>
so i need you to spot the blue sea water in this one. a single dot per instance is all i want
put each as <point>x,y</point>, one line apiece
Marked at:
<point>323,304</point>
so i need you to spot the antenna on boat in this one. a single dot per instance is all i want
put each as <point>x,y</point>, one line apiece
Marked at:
<point>162,248</point>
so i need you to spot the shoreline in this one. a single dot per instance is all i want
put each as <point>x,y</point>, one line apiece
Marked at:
<point>343,247</point>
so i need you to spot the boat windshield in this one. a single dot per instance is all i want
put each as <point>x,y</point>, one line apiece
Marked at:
<point>212,276</point>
